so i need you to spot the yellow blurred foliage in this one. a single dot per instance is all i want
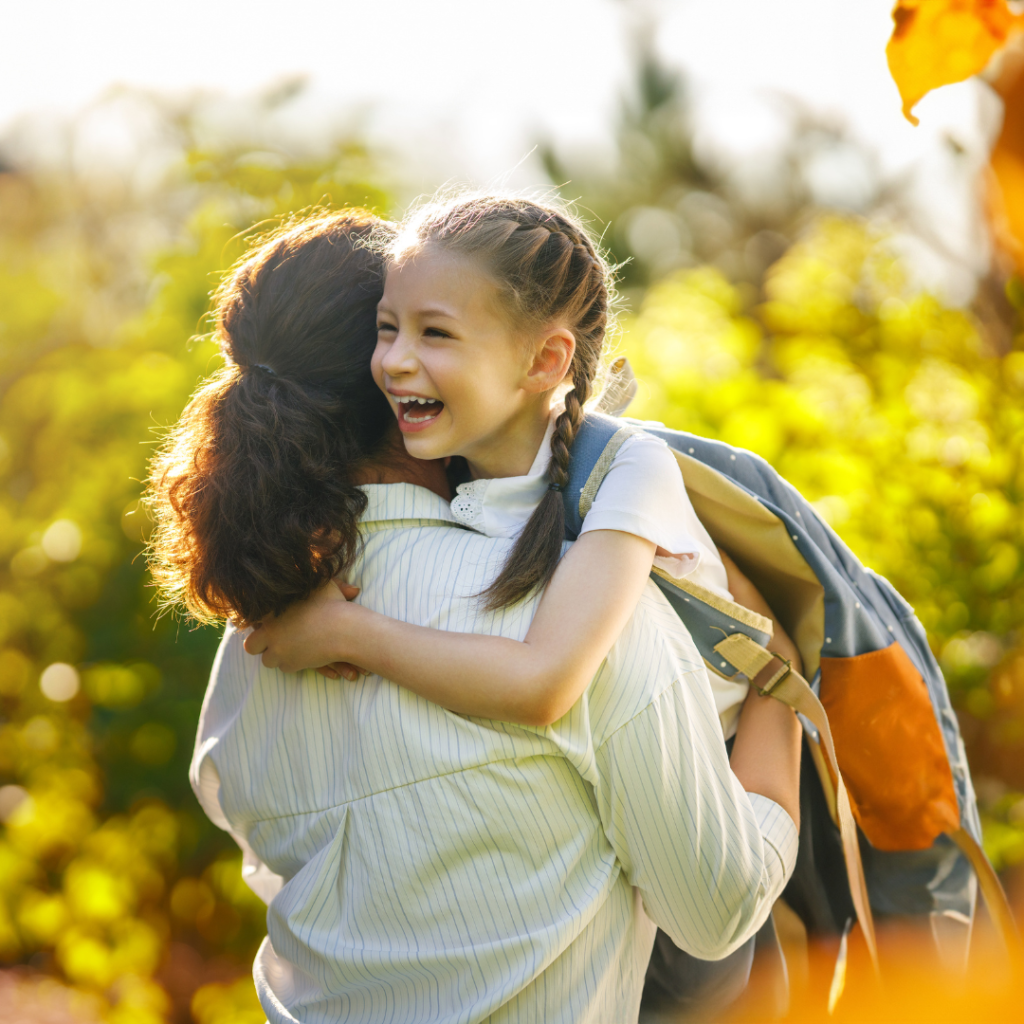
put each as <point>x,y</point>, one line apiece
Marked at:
<point>107,868</point>
<point>235,1003</point>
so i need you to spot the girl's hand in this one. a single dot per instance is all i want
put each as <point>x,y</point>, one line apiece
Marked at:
<point>310,634</point>
<point>342,670</point>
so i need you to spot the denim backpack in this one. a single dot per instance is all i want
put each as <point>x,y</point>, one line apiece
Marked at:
<point>889,818</point>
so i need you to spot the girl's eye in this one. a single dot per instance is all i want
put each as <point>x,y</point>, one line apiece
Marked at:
<point>435,332</point>
<point>384,326</point>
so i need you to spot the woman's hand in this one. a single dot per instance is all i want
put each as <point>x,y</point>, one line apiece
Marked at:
<point>310,634</point>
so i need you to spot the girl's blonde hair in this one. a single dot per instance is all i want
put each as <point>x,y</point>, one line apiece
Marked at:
<point>548,270</point>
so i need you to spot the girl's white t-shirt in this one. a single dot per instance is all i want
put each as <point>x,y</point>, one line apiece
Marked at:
<point>643,493</point>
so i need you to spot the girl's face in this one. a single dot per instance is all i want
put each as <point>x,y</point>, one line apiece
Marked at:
<point>459,379</point>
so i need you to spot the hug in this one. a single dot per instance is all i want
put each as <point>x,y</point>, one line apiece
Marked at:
<point>472,753</point>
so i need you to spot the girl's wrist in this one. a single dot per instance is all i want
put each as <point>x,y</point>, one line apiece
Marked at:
<point>348,626</point>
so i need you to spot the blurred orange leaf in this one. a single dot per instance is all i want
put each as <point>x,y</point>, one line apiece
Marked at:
<point>938,42</point>
<point>1006,181</point>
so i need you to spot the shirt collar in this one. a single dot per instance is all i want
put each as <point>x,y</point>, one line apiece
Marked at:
<point>500,507</point>
<point>388,502</point>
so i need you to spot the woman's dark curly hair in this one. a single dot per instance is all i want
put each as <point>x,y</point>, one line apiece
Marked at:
<point>253,491</point>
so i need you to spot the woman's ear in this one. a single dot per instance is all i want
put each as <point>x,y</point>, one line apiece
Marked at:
<point>551,360</point>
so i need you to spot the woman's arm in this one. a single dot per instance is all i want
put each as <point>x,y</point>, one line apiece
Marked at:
<point>534,682</point>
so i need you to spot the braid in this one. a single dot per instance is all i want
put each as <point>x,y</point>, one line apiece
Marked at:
<point>548,270</point>
<point>566,426</point>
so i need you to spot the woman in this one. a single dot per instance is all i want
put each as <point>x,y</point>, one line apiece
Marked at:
<point>258,495</point>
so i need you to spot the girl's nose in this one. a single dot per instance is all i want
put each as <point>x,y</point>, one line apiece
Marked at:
<point>400,358</point>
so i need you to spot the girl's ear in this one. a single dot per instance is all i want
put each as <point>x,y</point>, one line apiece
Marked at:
<point>552,359</point>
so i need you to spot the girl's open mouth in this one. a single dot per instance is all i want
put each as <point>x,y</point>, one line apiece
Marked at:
<point>415,411</point>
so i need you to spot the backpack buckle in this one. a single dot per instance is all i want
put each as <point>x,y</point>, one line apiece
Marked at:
<point>772,674</point>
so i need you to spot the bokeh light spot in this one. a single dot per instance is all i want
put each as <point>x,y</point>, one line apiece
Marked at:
<point>29,561</point>
<point>11,798</point>
<point>40,735</point>
<point>59,682</point>
<point>235,1002</point>
<point>62,541</point>
<point>119,686</point>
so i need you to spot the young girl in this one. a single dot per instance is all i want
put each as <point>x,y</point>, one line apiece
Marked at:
<point>489,304</point>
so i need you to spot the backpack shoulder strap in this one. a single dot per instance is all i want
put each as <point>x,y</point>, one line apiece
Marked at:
<point>597,442</point>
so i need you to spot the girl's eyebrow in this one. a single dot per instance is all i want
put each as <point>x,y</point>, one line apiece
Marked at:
<point>437,311</point>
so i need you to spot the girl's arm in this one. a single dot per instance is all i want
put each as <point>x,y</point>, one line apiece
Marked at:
<point>534,682</point>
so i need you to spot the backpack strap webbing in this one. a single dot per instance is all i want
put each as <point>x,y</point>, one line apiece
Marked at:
<point>994,893</point>
<point>601,467</point>
<point>771,675</point>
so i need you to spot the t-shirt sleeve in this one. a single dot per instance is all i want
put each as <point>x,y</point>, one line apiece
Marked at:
<point>643,493</point>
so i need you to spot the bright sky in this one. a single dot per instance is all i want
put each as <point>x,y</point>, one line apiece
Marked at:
<point>468,85</point>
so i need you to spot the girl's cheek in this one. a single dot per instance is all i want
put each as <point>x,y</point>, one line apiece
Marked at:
<point>376,368</point>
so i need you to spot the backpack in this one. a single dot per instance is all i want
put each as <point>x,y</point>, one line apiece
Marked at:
<point>889,816</point>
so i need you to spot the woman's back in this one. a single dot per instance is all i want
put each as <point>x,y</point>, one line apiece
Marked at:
<point>438,867</point>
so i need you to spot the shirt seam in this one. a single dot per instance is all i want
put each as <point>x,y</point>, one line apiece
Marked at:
<point>389,789</point>
<point>676,681</point>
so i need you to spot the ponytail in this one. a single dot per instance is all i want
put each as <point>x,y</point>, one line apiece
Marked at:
<point>253,491</point>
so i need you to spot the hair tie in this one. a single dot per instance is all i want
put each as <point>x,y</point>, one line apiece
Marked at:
<point>267,369</point>
<point>556,487</point>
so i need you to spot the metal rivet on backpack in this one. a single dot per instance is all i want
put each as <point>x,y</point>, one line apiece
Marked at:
<point>890,629</point>
<point>691,451</point>
<point>733,457</point>
<point>856,604</point>
<point>828,639</point>
<point>723,664</point>
<point>795,537</point>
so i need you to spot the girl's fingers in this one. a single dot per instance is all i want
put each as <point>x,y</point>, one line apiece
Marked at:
<point>346,670</point>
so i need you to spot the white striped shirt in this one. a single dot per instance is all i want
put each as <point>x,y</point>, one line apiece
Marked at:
<point>422,866</point>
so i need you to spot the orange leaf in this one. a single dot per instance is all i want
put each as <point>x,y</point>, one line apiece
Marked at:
<point>1006,180</point>
<point>937,42</point>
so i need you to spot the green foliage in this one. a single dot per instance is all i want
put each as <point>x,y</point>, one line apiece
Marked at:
<point>106,861</point>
